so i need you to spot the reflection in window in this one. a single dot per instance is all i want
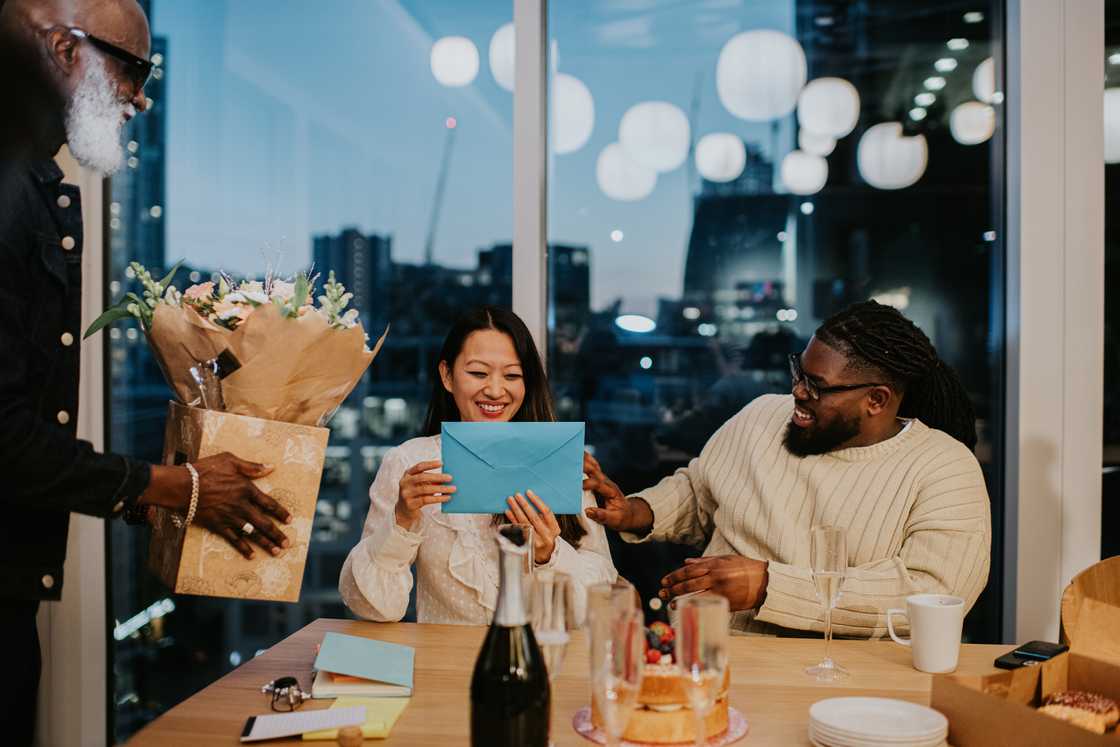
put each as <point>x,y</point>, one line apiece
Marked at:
<point>364,154</point>
<point>735,172</point>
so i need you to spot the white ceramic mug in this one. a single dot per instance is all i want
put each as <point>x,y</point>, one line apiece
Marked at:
<point>935,630</point>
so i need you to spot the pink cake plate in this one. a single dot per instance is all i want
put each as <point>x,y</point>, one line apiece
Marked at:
<point>737,728</point>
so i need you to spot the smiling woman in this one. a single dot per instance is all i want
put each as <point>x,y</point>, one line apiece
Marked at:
<point>489,370</point>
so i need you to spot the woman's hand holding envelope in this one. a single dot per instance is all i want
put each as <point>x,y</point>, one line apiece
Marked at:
<point>545,527</point>
<point>418,488</point>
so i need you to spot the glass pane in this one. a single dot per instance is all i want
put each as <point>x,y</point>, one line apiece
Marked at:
<point>285,134</point>
<point>1110,508</point>
<point>701,230</point>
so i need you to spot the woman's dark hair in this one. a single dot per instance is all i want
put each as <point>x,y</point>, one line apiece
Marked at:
<point>878,337</point>
<point>537,406</point>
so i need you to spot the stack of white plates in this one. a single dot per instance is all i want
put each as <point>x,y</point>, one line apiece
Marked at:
<point>875,722</point>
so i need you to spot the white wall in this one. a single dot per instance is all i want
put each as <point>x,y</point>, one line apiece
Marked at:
<point>72,692</point>
<point>1055,340</point>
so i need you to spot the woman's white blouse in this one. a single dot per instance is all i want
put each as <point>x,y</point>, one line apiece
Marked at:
<point>455,554</point>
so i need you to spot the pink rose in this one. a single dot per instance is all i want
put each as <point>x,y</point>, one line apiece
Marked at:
<point>200,292</point>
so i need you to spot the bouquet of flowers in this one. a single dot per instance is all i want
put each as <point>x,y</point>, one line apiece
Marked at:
<point>256,348</point>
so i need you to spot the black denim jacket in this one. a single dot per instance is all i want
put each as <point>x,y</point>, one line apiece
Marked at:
<point>45,471</point>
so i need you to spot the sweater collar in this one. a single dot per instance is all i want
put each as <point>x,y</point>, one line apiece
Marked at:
<point>910,433</point>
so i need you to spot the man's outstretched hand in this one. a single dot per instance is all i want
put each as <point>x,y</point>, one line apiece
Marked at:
<point>742,580</point>
<point>615,510</point>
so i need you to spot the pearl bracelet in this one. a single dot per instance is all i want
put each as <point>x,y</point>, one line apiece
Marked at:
<point>181,523</point>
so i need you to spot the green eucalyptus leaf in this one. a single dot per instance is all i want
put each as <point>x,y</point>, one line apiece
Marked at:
<point>170,275</point>
<point>110,315</point>
<point>299,296</point>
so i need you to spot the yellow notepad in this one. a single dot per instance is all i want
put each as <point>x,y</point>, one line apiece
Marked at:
<point>381,714</point>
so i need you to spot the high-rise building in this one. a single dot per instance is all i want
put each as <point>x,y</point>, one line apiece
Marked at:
<point>363,263</point>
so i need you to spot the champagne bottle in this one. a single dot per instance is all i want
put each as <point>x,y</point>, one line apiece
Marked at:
<point>510,695</point>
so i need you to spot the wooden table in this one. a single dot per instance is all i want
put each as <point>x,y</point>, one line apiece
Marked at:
<point>767,685</point>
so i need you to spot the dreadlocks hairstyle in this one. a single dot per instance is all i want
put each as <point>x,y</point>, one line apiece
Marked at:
<point>879,338</point>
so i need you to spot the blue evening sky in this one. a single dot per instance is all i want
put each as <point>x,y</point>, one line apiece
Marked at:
<point>288,118</point>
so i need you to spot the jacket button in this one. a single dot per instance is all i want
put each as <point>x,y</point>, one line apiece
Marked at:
<point>63,417</point>
<point>64,201</point>
<point>48,581</point>
<point>68,243</point>
<point>67,339</point>
<point>119,507</point>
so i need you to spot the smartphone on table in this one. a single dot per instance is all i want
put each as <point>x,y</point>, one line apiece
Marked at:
<point>1030,654</point>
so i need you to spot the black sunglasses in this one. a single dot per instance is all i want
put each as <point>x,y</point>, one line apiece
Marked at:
<point>816,392</point>
<point>286,693</point>
<point>137,68</point>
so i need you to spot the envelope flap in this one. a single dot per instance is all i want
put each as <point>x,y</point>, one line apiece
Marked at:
<point>505,445</point>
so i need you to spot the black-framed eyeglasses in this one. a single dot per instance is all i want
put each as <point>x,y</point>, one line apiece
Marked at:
<point>137,69</point>
<point>287,695</point>
<point>816,392</point>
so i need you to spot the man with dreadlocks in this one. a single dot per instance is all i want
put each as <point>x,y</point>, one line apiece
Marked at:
<point>876,438</point>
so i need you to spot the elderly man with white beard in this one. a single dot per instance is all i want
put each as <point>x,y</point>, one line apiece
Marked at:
<point>92,55</point>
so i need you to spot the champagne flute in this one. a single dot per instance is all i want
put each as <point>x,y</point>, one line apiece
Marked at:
<point>620,594</point>
<point>701,648</point>
<point>829,557</point>
<point>552,616</point>
<point>617,662</point>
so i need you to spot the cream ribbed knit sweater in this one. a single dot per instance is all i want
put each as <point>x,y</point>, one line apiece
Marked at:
<point>915,508</point>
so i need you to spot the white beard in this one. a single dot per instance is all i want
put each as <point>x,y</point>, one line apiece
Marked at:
<point>94,120</point>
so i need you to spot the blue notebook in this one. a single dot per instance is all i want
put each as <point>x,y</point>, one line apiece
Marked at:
<point>382,669</point>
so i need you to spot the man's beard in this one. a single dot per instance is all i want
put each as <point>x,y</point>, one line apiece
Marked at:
<point>94,120</point>
<point>819,439</point>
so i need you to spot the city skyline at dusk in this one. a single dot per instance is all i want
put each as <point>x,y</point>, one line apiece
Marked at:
<point>266,148</point>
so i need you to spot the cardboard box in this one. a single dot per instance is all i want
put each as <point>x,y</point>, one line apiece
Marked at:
<point>1000,709</point>
<point>196,561</point>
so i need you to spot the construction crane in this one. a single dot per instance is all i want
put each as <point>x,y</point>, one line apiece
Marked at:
<point>451,124</point>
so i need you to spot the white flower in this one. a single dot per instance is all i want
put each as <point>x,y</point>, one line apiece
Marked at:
<point>172,296</point>
<point>281,290</point>
<point>247,296</point>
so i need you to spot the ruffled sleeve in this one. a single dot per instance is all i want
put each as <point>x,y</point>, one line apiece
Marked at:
<point>376,578</point>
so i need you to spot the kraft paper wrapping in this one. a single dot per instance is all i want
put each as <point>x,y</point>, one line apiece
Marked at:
<point>195,561</point>
<point>293,375</point>
<point>292,370</point>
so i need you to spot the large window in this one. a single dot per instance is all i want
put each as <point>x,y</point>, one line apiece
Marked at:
<point>722,175</point>
<point>288,135</point>
<point>728,174</point>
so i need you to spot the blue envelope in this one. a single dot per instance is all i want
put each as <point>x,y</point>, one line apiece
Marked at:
<point>489,462</point>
